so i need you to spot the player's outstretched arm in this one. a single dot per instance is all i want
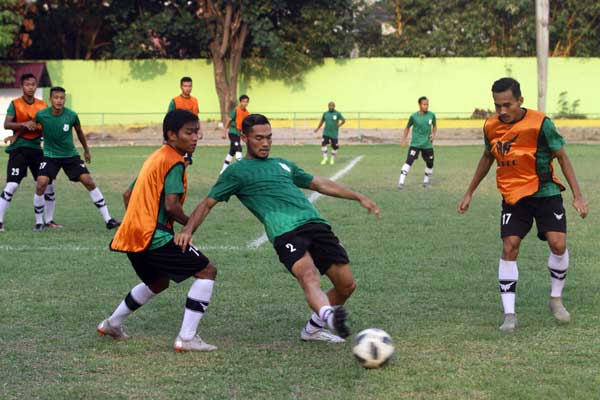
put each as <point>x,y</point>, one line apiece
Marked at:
<point>86,150</point>
<point>485,163</point>
<point>579,202</point>
<point>183,239</point>
<point>331,188</point>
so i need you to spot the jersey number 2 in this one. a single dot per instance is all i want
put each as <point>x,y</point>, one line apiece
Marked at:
<point>290,247</point>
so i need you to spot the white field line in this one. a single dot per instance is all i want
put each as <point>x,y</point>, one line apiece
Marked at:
<point>256,243</point>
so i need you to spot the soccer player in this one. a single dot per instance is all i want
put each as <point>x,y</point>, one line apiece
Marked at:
<point>303,239</point>
<point>185,101</point>
<point>25,150</point>
<point>524,142</point>
<point>233,127</point>
<point>332,119</point>
<point>57,122</point>
<point>146,235</point>
<point>424,129</point>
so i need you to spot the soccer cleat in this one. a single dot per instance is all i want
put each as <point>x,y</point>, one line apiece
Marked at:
<point>196,344</point>
<point>1,227</point>
<point>426,185</point>
<point>331,161</point>
<point>324,161</point>
<point>400,186</point>
<point>339,322</point>
<point>38,227</point>
<point>558,310</point>
<point>322,335</point>
<point>104,328</point>
<point>53,225</point>
<point>510,323</point>
<point>112,223</point>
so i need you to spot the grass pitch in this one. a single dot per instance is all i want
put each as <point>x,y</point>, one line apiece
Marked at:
<point>425,274</point>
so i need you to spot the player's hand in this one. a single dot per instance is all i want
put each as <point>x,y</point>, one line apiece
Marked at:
<point>87,156</point>
<point>404,143</point>
<point>463,206</point>
<point>431,138</point>
<point>370,205</point>
<point>581,206</point>
<point>30,125</point>
<point>224,135</point>
<point>10,139</point>
<point>183,239</point>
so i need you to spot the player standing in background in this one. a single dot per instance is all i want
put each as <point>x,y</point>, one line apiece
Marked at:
<point>333,120</point>
<point>57,124</point>
<point>146,235</point>
<point>424,129</point>
<point>233,127</point>
<point>523,142</point>
<point>185,101</point>
<point>303,239</point>
<point>25,149</point>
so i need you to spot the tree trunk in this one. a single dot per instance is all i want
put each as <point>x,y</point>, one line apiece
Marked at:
<point>542,12</point>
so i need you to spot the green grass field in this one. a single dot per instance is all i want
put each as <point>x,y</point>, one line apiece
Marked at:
<point>425,274</point>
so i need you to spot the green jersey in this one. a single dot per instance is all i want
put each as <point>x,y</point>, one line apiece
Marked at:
<point>551,142</point>
<point>171,106</point>
<point>331,119</point>
<point>58,132</point>
<point>421,129</point>
<point>269,188</point>
<point>173,185</point>
<point>232,127</point>
<point>21,141</point>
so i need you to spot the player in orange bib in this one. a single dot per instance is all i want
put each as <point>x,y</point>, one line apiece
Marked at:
<point>233,128</point>
<point>185,101</point>
<point>523,143</point>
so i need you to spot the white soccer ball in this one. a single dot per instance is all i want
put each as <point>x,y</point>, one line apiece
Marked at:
<point>373,348</point>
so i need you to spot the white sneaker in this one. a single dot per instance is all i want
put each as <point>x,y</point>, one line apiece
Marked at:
<point>322,335</point>
<point>510,323</point>
<point>104,328</point>
<point>196,344</point>
<point>558,310</point>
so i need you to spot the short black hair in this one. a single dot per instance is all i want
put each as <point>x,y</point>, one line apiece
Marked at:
<point>422,98</point>
<point>175,119</point>
<point>24,77</point>
<point>251,120</point>
<point>503,84</point>
<point>57,89</point>
<point>185,79</point>
<point>242,97</point>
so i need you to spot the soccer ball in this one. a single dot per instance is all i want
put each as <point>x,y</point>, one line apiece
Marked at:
<point>373,348</point>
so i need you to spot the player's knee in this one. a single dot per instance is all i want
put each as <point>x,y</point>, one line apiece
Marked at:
<point>346,289</point>
<point>40,185</point>
<point>510,251</point>
<point>558,247</point>
<point>429,164</point>
<point>88,182</point>
<point>209,272</point>
<point>159,286</point>
<point>308,277</point>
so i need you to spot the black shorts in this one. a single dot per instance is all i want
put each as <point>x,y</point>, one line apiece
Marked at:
<point>548,212</point>
<point>74,167</point>
<point>316,238</point>
<point>235,144</point>
<point>334,142</point>
<point>169,262</point>
<point>19,160</point>
<point>426,154</point>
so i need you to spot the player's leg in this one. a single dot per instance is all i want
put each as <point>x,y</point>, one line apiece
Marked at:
<point>324,142</point>
<point>48,170</point>
<point>413,154</point>
<point>238,148</point>
<point>334,149</point>
<point>77,171</point>
<point>34,158</point>
<point>427,155</point>
<point>234,143</point>
<point>16,170</point>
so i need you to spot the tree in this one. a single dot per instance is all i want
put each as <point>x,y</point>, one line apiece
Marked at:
<point>11,19</point>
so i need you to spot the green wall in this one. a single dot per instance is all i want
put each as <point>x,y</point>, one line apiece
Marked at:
<point>454,85</point>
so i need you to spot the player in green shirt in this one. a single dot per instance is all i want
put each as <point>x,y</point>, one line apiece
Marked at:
<point>332,119</point>
<point>232,130</point>
<point>424,129</point>
<point>57,124</point>
<point>303,239</point>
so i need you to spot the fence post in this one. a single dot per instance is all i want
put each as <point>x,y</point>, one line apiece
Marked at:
<point>294,127</point>
<point>359,132</point>
<point>102,123</point>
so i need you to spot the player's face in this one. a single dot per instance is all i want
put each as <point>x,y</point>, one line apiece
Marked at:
<point>186,88</point>
<point>186,140</point>
<point>29,87</point>
<point>244,103</point>
<point>57,99</point>
<point>331,106</point>
<point>258,142</point>
<point>424,106</point>
<point>508,106</point>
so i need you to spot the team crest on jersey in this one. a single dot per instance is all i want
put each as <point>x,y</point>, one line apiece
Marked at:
<point>334,117</point>
<point>284,166</point>
<point>430,121</point>
<point>503,148</point>
<point>66,127</point>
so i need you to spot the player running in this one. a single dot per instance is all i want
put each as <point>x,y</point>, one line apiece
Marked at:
<point>57,122</point>
<point>233,127</point>
<point>332,119</point>
<point>25,149</point>
<point>303,239</point>
<point>524,142</point>
<point>146,236</point>
<point>424,129</point>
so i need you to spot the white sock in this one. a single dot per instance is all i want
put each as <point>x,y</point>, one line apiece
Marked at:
<point>38,208</point>
<point>198,299</point>
<point>50,199</point>
<point>428,173</point>
<point>238,155</point>
<point>5,198</point>
<point>324,151</point>
<point>137,297</point>
<point>558,266</point>
<point>314,323</point>
<point>99,201</point>
<point>326,315</point>
<point>403,173</point>
<point>508,275</point>
<point>228,160</point>
<point>333,153</point>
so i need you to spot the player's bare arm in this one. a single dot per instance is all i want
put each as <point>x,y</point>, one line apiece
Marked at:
<point>183,239</point>
<point>126,197</point>
<point>86,150</point>
<point>331,188</point>
<point>405,136</point>
<point>485,163</point>
<point>342,122</point>
<point>174,209</point>
<point>433,133</point>
<point>579,202</point>
<point>320,125</point>
<point>226,128</point>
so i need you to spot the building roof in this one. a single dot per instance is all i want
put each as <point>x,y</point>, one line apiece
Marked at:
<point>38,69</point>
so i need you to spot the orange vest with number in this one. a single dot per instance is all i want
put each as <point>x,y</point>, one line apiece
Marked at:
<point>26,112</point>
<point>186,103</point>
<point>240,114</point>
<point>141,218</point>
<point>514,146</point>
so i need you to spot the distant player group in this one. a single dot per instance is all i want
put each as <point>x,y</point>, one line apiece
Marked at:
<point>522,142</point>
